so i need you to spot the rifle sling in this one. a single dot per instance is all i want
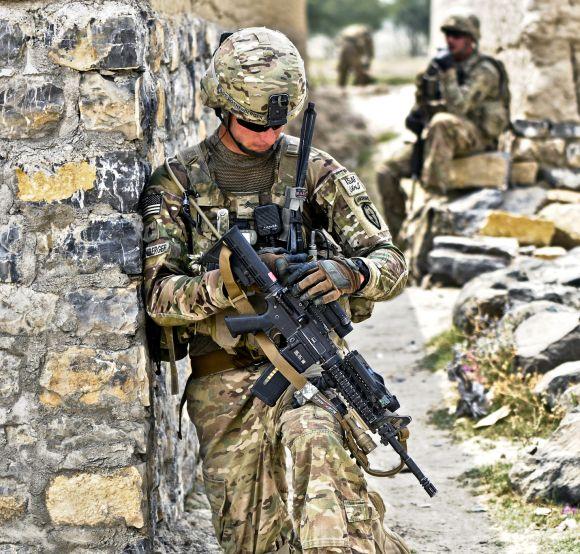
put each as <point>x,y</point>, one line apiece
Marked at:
<point>241,303</point>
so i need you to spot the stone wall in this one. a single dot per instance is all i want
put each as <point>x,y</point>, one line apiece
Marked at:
<point>539,43</point>
<point>93,95</point>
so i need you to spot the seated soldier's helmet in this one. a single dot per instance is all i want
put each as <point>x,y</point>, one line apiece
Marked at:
<point>258,75</point>
<point>468,24</point>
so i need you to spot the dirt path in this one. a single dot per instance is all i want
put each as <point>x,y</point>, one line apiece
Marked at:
<point>393,342</point>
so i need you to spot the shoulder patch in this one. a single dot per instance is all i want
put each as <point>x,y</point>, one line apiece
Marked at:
<point>151,204</point>
<point>156,249</point>
<point>371,215</point>
<point>351,184</point>
<point>362,199</point>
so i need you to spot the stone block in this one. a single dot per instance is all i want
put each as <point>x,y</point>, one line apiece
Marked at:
<point>97,499</point>
<point>523,200</point>
<point>566,219</point>
<point>110,104</point>
<point>560,177</point>
<point>24,311</point>
<point>112,240</point>
<point>79,377</point>
<point>9,385</point>
<point>573,154</point>
<point>11,245</point>
<point>546,151</point>
<point>181,102</point>
<point>527,229</point>
<point>450,267</point>
<point>489,169</point>
<point>566,130</point>
<point>12,43</point>
<point>29,110</point>
<point>556,381</point>
<point>11,507</point>
<point>119,180</point>
<point>549,252</point>
<point>524,173</point>
<point>106,42</point>
<point>530,128</point>
<point>547,340</point>
<point>562,196</point>
<point>68,179</point>
<point>490,246</point>
<point>551,472</point>
<point>114,311</point>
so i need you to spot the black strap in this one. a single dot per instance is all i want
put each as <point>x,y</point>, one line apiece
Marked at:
<point>182,403</point>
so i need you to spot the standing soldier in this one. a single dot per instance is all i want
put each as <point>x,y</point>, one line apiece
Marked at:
<point>256,83</point>
<point>355,55</point>
<point>462,106</point>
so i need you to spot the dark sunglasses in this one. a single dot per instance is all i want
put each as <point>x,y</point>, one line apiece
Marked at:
<point>258,128</point>
<point>455,34</point>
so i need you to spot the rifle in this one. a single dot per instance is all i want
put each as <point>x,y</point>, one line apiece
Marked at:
<point>295,335</point>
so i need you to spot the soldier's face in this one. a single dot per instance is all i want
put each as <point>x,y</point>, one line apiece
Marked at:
<point>257,141</point>
<point>459,44</point>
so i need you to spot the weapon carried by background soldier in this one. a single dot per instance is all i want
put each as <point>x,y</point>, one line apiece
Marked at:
<point>461,107</point>
<point>244,176</point>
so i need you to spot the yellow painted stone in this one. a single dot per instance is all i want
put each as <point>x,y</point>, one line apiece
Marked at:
<point>527,229</point>
<point>97,499</point>
<point>63,183</point>
<point>90,377</point>
<point>11,507</point>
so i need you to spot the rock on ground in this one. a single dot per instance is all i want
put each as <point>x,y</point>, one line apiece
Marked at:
<point>552,472</point>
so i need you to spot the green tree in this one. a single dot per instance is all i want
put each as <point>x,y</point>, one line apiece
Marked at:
<point>413,16</point>
<point>329,16</point>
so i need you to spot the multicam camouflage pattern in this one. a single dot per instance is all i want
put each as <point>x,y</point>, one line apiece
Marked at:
<point>448,136</point>
<point>470,117</point>
<point>336,197</point>
<point>356,52</point>
<point>478,95</point>
<point>241,439</point>
<point>250,66</point>
<point>242,446</point>
<point>468,24</point>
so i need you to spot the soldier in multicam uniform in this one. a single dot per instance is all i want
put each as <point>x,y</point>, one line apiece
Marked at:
<point>355,55</point>
<point>462,106</point>
<point>249,162</point>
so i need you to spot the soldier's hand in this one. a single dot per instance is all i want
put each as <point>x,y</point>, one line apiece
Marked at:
<point>280,261</point>
<point>326,280</point>
<point>444,61</point>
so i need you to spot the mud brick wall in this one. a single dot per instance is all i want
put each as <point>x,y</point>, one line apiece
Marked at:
<point>539,43</point>
<point>93,95</point>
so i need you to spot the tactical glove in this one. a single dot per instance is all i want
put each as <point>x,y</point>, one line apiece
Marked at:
<point>444,61</point>
<point>280,261</point>
<point>326,280</point>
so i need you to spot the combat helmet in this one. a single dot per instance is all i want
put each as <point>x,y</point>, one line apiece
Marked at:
<point>468,24</point>
<point>258,75</point>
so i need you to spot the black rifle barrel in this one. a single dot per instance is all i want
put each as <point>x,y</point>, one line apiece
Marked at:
<point>306,133</point>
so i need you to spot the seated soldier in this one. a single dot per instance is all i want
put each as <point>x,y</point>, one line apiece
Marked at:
<point>462,106</point>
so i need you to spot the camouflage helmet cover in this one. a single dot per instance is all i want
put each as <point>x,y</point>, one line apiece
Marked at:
<point>248,68</point>
<point>468,24</point>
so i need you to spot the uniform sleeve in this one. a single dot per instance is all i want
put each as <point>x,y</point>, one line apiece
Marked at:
<point>482,83</point>
<point>173,295</point>
<point>357,226</point>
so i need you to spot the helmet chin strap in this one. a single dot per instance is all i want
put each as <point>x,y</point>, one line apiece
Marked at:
<point>248,151</point>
